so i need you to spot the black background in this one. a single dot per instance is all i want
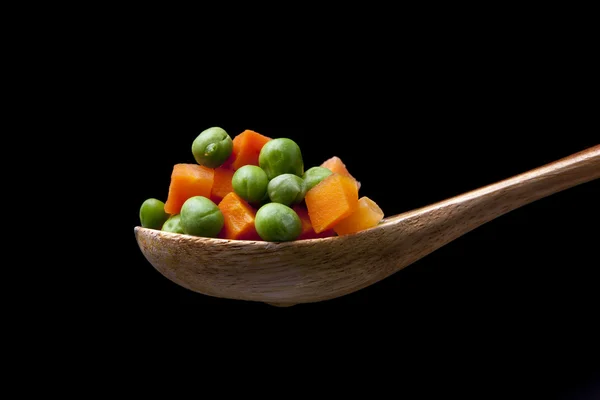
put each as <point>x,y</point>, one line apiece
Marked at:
<point>517,297</point>
<point>420,106</point>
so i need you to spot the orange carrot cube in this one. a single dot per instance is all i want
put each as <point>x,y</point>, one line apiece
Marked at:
<point>238,218</point>
<point>367,215</point>
<point>188,180</point>
<point>330,201</point>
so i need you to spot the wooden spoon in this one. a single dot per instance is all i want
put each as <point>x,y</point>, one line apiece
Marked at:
<point>314,270</point>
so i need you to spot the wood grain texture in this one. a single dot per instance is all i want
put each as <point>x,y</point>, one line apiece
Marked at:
<point>314,270</point>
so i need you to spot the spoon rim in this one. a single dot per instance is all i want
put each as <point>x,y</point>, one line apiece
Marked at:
<point>221,241</point>
<point>292,243</point>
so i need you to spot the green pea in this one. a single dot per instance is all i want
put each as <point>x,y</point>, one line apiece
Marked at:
<point>152,214</point>
<point>277,222</point>
<point>315,175</point>
<point>173,224</point>
<point>200,216</point>
<point>286,189</point>
<point>250,183</point>
<point>281,156</point>
<point>212,147</point>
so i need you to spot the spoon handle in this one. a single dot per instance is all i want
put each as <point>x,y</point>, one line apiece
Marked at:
<point>535,184</point>
<point>429,228</point>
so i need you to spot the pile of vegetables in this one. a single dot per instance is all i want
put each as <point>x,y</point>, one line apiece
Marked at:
<point>253,187</point>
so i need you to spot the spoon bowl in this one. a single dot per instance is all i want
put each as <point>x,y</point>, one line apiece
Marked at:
<point>313,270</point>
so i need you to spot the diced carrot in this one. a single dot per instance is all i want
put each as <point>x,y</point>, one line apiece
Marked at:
<point>330,201</point>
<point>238,218</point>
<point>335,165</point>
<point>367,215</point>
<point>307,230</point>
<point>222,184</point>
<point>188,180</point>
<point>246,149</point>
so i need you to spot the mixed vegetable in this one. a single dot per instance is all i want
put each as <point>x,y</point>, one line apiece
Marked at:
<point>254,187</point>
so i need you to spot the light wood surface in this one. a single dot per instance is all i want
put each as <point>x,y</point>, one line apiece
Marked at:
<point>314,270</point>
